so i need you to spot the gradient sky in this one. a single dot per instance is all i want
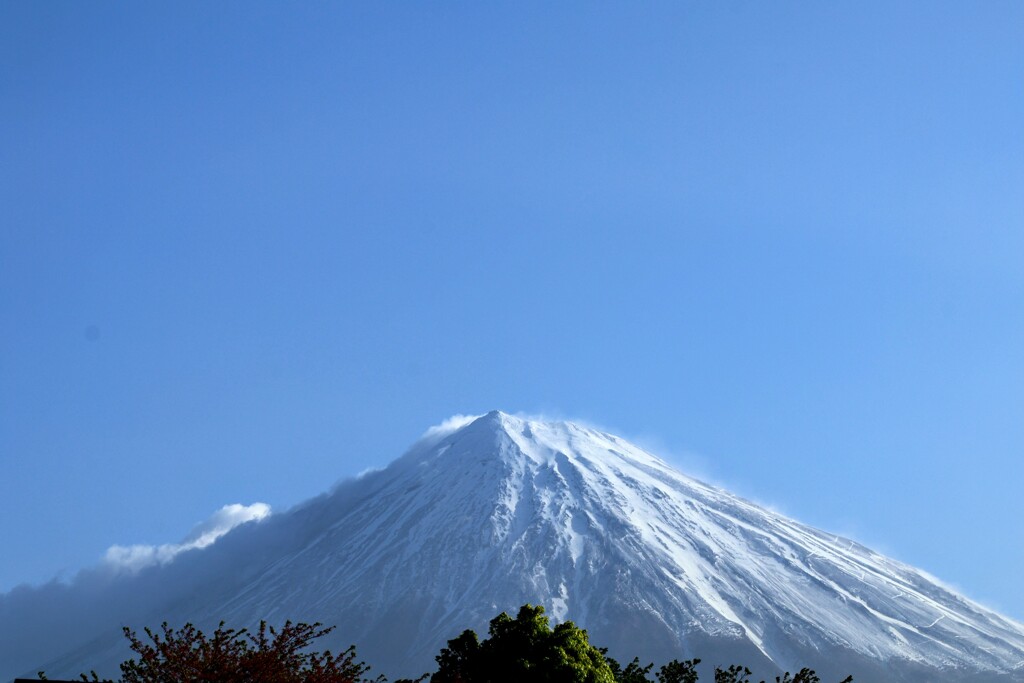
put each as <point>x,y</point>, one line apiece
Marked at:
<point>249,249</point>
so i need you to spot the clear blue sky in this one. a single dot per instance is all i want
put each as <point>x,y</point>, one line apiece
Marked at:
<point>249,249</point>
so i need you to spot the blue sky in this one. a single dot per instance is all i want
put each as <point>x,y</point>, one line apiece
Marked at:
<point>249,249</point>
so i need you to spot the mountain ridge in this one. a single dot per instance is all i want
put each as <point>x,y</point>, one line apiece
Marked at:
<point>503,510</point>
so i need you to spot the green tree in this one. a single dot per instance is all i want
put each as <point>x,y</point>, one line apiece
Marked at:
<point>457,662</point>
<point>523,649</point>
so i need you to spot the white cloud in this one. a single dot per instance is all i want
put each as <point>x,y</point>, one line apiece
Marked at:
<point>453,423</point>
<point>135,557</point>
<point>368,470</point>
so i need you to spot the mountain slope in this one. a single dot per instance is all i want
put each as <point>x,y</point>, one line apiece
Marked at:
<point>506,510</point>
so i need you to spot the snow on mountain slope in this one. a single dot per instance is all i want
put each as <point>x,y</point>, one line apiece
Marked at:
<point>504,510</point>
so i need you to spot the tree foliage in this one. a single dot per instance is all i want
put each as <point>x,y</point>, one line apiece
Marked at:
<point>678,672</point>
<point>686,672</point>
<point>732,674</point>
<point>633,673</point>
<point>188,655</point>
<point>805,676</point>
<point>523,649</point>
<point>526,649</point>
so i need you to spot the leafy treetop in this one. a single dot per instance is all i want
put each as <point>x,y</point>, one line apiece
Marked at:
<point>523,649</point>
<point>187,655</point>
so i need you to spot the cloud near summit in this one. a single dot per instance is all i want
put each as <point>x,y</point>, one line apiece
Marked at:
<point>453,423</point>
<point>132,558</point>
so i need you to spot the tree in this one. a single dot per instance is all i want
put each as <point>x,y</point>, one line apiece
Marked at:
<point>526,649</point>
<point>187,655</point>
<point>523,649</point>
<point>734,674</point>
<point>673,672</point>
<point>805,675</point>
<point>458,662</point>
<point>633,673</point>
<point>679,672</point>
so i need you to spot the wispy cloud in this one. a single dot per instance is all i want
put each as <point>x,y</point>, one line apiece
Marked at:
<point>132,558</point>
<point>453,423</point>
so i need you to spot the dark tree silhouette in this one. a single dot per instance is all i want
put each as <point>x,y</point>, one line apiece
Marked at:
<point>733,674</point>
<point>679,672</point>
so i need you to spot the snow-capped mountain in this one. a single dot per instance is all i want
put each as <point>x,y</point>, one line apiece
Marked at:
<point>504,510</point>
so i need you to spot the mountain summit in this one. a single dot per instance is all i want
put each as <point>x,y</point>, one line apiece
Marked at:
<point>503,510</point>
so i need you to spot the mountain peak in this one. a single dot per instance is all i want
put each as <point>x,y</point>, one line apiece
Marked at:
<point>582,515</point>
<point>536,438</point>
<point>495,418</point>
